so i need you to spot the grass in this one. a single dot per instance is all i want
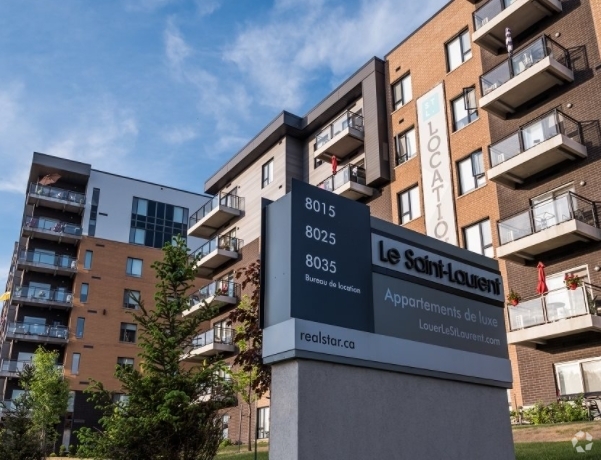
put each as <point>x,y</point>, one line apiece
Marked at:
<point>554,451</point>
<point>243,456</point>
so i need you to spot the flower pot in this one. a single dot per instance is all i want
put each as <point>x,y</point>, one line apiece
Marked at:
<point>572,286</point>
<point>514,302</point>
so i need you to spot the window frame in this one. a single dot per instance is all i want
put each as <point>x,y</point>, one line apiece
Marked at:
<point>480,234</point>
<point>267,166</point>
<point>130,265</point>
<point>397,143</point>
<point>75,363</point>
<point>478,178</point>
<point>463,52</point>
<point>263,422</point>
<point>404,100</point>
<point>79,331</point>
<point>127,295</point>
<point>579,362</point>
<point>125,364</point>
<point>88,259</point>
<point>472,114</point>
<point>400,205</point>
<point>83,296</point>
<point>123,332</point>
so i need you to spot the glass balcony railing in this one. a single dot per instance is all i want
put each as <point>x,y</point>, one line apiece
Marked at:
<point>43,294</point>
<point>488,11</point>
<point>13,366</point>
<point>533,53</point>
<point>227,243</point>
<point>539,130</point>
<point>40,330</point>
<point>546,214</point>
<point>49,260</point>
<point>229,200</point>
<point>218,334</point>
<point>349,173</point>
<point>52,225</point>
<point>347,120</point>
<point>554,306</point>
<point>57,193</point>
<point>222,288</point>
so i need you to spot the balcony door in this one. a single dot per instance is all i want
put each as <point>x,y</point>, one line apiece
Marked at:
<point>552,208</point>
<point>536,133</point>
<point>39,290</point>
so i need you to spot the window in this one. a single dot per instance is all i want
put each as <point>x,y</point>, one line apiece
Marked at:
<point>471,173</point>
<point>263,423</point>
<point>464,109</point>
<point>137,235</point>
<point>402,92</point>
<point>406,146</point>
<point>120,398</point>
<point>125,362</point>
<point>94,212</point>
<point>128,333</point>
<point>134,267</point>
<point>83,293</point>
<point>225,424</point>
<point>140,207</point>
<point>75,363</point>
<point>71,402</point>
<point>317,163</point>
<point>267,173</point>
<point>223,331</point>
<point>579,377</point>
<point>79,328</point>
<point>554,207</point>
<point>459,50</point>
<point>87,261</point>
<point>154,224</point>
<point>479,239</point>
<point>409,207</point>
<point>131,299</point>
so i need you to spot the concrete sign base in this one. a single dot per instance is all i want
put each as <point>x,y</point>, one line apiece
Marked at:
<point>326,411</point>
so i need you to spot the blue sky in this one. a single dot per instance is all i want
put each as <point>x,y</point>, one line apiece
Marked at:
<point>168,90</point>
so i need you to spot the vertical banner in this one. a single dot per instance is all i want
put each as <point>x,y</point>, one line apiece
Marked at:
<point>436,166</point>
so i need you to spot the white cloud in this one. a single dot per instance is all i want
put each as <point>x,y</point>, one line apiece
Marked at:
<point>179,134</point>
<point>146,5</point>
<point>207,7</point>
<point>176,49</point>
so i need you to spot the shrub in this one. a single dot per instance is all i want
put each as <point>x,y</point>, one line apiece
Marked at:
<point>557,412</point>
<point>226,442</point>
<point>62,450</point>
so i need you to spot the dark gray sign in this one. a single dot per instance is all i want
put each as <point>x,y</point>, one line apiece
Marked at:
<point>410,311</point>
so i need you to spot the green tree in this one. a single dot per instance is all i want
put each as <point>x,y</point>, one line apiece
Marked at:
<point>243,383</point>
<point>18,439</point>
<point>172,408</point>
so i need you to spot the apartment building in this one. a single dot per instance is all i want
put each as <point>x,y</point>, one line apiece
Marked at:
<point>85,249</point>
<point>340,145</point>
<point>497,153</point>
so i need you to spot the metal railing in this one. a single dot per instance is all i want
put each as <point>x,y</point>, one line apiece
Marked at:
<point>349,173</point>
<point>43,294</point>
<point>533,133</point>
<point>14,366</point>
<point>228,243</point>
<point>50,260</point>
<point>224,288</point>
<point>230,200</point>
<point>347,120</point>
<point>217,334</point>
<point>58,193</point>
<point>556,305</point>
<point>554,211</point>
<point>533,53</point>
<point>51,225</point>
<point>488,11</point>
<point>41,330</point>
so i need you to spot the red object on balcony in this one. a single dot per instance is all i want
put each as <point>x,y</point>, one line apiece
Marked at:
<point>541,288</point>
<point>334,164</point>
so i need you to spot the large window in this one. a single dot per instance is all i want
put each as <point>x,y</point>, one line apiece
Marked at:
<point>128,333</point>
<point>153,223</point>
<point>471,172</point>
<point>81,322</point>
<point>263,423</point>
<point>87,261</point>
<point>459,50</point>
<point>75,363</point>
<point>409,207</point>
<point>402,91</point>
<point>478,238</point>
<point>134,267</point>
<point>131,299</point>
<point>267,174</point>
<point>93,212</point>
<point>406,146</point>
<point>83,293</point>
<point>578,377</point>
<point>464,109</point>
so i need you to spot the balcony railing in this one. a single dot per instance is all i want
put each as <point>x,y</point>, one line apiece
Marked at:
<point>216,288</point>
<point>539,130</point>
<point>222,335</point>
<point>556,305</point>
<point>546,214</point>
<point>349,173</point>
<point>51,225</point>
<point>39,294</point>
<point>535,52</point>
<point>49,260</point>
<point>227,243</point>
<point>229,200</point>
<point>488,11</point>
<point>57,193</point>
<point>346,120</point>
<point>39,330</point>
<point>13,366</point>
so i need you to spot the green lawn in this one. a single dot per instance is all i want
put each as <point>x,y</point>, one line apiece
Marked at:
<point>242,456</point>
<point>554,451</point>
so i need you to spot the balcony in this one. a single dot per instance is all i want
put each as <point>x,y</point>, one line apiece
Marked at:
<point>44,262</point>
<point>558,313</point>
<point>216,252</point>
<point>42,297</point>
<point>214,215</point>
<point>39,333</point>
<point>51,229</point>
<point>491,19</point>
<point>56,198</point>
<point>349,182</point>
<point>340,138</point>
<point>540,66</point>
<point>541,144</point>
<point>216,294</point>
<point>549,225</point>
<point>11,368</point>
<point>215,341</point>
